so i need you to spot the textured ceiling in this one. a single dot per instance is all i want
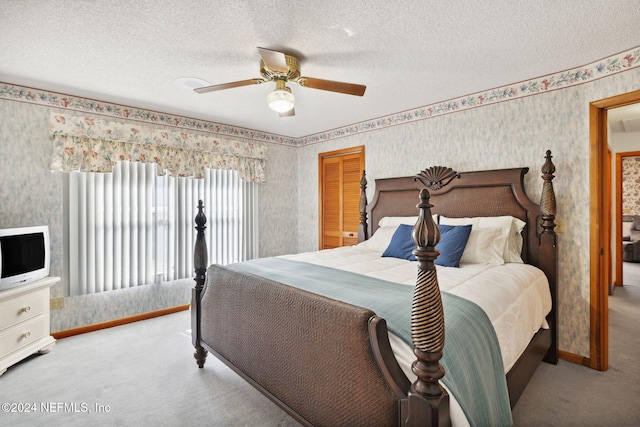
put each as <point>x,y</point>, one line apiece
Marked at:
<point>408,53</point>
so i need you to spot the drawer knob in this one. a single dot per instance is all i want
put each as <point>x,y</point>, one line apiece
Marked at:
<point>26,334</point>
<point>26,309</point>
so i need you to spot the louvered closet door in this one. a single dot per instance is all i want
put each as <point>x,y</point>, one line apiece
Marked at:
<point>332,202</point>
<point>340,197</point>
<point>351,173</point>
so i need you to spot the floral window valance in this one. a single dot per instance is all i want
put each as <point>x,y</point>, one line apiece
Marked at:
<point>88,144</point>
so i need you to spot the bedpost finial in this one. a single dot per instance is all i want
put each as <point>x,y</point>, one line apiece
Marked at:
<point>548,168</point>
<point>200,257</point>
<point>426,233</point>
<point>548,197</point>
<point>201,218</point>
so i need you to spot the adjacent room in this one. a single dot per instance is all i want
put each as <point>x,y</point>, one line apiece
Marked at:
<point>295,213</point>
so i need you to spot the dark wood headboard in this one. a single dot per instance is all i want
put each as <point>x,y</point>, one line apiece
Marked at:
<point>470,194</point>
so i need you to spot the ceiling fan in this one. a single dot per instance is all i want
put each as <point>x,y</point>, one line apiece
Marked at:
<point>281,68</point>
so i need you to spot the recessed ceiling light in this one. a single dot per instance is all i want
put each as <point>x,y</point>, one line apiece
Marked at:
<point>191,83</point>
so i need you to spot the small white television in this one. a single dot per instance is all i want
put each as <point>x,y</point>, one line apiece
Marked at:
<point>24,255</point>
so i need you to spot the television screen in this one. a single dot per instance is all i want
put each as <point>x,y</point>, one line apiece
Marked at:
<point>22,254</point>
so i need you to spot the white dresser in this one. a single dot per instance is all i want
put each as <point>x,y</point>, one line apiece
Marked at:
<point>24,321</point>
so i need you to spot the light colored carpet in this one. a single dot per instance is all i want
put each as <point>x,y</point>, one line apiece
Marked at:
<point>144,374</point>
<point>140,374</point>
<point>631,273</point>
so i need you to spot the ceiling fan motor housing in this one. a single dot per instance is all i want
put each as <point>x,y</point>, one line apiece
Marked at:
<point>292,73</point>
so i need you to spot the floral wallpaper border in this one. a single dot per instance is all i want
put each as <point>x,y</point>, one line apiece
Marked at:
<point>614,64</point>
<point>9,91</point>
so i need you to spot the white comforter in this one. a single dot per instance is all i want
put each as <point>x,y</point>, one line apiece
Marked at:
<point>515,296</point>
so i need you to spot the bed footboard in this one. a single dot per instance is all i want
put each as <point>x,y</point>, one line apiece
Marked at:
<point>310,353</point>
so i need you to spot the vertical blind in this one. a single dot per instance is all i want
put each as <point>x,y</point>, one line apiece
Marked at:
<point>132,227</point>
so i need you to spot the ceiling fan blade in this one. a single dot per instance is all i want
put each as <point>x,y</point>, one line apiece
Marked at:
<point>289,113</point>
<point>273,59</point>
<point>332,86</point>
<point>231,85</point>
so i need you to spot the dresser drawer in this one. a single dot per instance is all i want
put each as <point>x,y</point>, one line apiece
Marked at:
<point>23,307</point>
<point>23,334</point>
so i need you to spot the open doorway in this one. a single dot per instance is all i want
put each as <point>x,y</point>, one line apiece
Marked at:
<point>601,214</point>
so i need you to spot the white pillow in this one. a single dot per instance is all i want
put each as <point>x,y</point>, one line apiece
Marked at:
<point>380,239</point>
<point>515,242</point>
<point>513,249</point>
<point>484,246</point>
<point>394,221</point>
<point>508,242</point>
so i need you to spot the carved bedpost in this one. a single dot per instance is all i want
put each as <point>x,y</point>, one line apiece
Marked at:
<point>363,228</point>
<point>548,249</point>
<point>427,400</point>
<point>200,266</point>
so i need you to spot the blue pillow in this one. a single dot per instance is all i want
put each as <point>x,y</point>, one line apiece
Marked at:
<point>401,245</point>
<point>453,239</point>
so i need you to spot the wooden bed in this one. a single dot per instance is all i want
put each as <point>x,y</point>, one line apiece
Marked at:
<point>330,363</point>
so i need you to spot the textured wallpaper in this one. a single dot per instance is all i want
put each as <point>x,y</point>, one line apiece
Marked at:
<point>278,220</point>
<point>631,185</point>
<point>30,194</point>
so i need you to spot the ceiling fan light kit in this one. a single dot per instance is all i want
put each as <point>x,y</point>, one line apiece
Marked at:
<point>281,100</point>
<point>281,68</point>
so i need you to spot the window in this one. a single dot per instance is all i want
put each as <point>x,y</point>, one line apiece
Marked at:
<point>132,227</point>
